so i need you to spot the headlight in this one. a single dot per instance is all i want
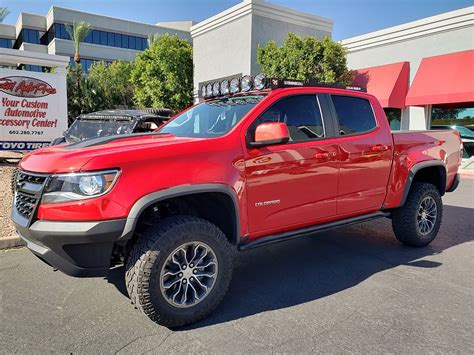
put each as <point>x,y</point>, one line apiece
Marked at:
<point>260,82</point>
<point>203,91</point>
<point>216,88</point>
<point>234,85</point>
<point>225,87</point>
<point>78,186</point>
<point>209,90</point>
<point>246,83</point>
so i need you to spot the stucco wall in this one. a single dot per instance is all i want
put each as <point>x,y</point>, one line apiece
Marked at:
<point>223,51</point>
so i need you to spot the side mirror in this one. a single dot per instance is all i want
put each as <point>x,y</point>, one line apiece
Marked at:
<point>270,133</point>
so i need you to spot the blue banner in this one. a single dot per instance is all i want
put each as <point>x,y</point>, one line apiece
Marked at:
<point>22,145</point>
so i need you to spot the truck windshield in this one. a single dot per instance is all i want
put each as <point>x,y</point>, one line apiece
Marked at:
<point>212,118</point>
<point>85,129</point>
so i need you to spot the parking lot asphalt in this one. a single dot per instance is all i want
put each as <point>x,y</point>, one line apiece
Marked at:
<point>349,290</point>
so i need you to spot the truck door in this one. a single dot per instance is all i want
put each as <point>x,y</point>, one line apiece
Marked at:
<point>365,150</point>
<point>292,184</point>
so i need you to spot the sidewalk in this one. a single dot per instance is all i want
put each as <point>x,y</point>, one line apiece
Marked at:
<point>467,168</point>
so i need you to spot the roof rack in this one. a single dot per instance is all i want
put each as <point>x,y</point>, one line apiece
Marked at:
<point>241,84</point>
<point>288,83</point>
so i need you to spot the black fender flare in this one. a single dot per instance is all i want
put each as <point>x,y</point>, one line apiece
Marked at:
<point>419,166</point>
<point>147,200</point>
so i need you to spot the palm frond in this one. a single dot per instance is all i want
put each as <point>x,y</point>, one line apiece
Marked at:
<point>78,33</point>
<point>3,13</point>
<point>152,38</point>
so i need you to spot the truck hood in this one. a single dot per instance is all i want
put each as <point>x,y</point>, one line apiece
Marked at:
<point>72,157</point>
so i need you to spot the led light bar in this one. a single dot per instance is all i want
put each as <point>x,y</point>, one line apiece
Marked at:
<point>260,82</point>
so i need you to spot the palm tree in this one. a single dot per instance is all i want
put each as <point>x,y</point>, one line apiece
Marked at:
<point>3,13</point>
<point>152,38</point>
<point>78,33</point>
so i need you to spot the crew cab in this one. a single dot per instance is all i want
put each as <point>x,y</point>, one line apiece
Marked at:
<point>266,161</point>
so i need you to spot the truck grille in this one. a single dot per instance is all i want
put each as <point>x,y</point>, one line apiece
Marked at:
<point>25,204</point>
<point>28,189</point>
<point>22,177</point>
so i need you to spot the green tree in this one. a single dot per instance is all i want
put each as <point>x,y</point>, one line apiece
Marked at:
<point>83,95</point>
<point>305,58</point>
<point>113,82</point>
<point>162,75</point>
<point>4,12</point>
<point>78,33</point>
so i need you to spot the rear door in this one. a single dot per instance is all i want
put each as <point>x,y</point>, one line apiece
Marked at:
<point>365,152</point>
<point>292,184</point>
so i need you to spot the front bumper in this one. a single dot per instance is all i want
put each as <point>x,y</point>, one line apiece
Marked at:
<point>76,248</point>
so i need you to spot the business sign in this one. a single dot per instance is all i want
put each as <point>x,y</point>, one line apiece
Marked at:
<point>33,109</point>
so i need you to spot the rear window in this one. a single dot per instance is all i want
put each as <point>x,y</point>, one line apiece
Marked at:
<point>355,115</point>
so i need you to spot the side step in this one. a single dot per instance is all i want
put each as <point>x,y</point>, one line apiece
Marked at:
<point>281,237</point>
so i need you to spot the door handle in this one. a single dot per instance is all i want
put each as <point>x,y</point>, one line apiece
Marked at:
<point>322,156</point>
<point>379,148</point>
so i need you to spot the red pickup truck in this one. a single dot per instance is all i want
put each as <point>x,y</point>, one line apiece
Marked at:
<point>238,171</point>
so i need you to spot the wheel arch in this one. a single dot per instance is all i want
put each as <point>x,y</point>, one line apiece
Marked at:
<point>184,191</point>
<point>432,171</point>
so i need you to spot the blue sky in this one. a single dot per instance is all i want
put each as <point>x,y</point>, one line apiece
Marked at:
<point>352,17</point>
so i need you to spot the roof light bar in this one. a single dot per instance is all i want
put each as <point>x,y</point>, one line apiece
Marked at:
<point>235,85</point>
<point>259,82</point>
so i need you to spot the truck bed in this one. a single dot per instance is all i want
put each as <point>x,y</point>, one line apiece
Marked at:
<point>415,147</point>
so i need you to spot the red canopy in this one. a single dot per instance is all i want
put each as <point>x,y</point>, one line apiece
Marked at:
<point>388,83</point>
<point>444,80</point>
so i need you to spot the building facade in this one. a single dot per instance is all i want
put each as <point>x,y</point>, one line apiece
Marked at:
<point>110,38</point>
<point>391,61</point>
<point>413,69</point>
<point>230,38</point>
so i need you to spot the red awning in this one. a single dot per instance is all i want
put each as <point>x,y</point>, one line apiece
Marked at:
<point>388,83</point>
<point>443,80</point>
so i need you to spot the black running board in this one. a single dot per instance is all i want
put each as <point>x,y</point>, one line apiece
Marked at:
<point>281,237</point>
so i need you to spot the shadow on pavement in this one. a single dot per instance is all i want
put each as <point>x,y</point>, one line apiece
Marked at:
<point>306,269</point>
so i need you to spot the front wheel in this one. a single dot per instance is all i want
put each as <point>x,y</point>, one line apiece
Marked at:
<point>417,223</point>
<point>179,271</point>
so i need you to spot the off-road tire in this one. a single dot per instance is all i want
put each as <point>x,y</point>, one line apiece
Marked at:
<point>146,259</point>
<point>404,219</point>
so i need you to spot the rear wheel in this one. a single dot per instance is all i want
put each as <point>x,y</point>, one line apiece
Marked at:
<point>179,271</point>
<point>417,223</point>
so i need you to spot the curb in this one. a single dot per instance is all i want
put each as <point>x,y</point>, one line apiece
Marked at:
<point>466,173</point>
<point>11,242</point>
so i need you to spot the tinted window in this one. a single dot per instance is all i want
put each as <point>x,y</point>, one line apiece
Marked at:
<point>5,43</point>
<point>394,116</point>
<point>110,39</point>
<point>124,41</point>
<point>300,113</point>
<point>131,42</point>
<point>103,38</point>
<point>118,40</point>
<point>95,37</point>
<point>355,115</point>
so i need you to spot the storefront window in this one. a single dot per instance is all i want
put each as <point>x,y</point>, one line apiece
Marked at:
<point>460,119</point>
<point>394,116</point>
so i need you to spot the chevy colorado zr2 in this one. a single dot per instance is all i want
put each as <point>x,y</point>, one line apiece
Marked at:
<point>254,166</point>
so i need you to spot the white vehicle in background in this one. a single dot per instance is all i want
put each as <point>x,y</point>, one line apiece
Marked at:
<point>467,137</point>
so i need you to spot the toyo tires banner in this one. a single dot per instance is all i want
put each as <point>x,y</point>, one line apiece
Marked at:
<point>33,109</point>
